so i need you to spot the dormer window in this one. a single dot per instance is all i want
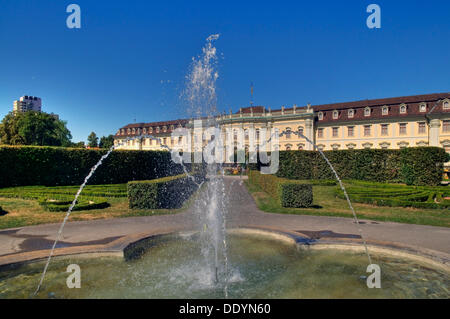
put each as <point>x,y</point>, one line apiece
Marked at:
<point>351,113</point>
<point>320,116</point>
<point>164,129</point>
<point>422,107</point>
<point>367,111</point>
<point>157,129</point>
<point>129,131</point>
<point>139,131</point>
<point>150,130</point>
<point>172,127</point>
<point>122,131</point>
<point>144,130</point>
<point>403,109</point>
<point>335,115</point>
<point>446,105</point>
<point>134,130</point>
<point>385,110</point>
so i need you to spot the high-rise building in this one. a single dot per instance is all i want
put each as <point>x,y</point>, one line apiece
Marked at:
<point>28,103</point>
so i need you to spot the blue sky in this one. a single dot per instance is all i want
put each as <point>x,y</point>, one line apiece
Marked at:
<point>130,58</point>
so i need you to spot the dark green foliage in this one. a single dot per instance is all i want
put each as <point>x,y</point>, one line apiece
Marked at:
<point>92,140</point>
<point>290,193</point>
<point>34,128</point>
<point>106,141</point>
<point>295,195</point>
<point>52,166</point>
<point>423,165</point>
<point>168,192</point>
<point>63,206</point>
<point>415,166</point>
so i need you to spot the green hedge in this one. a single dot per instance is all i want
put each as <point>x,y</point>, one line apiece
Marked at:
<point>63,206</point>
<point>52,166</point>
<point>168,192</point>
<point>412,166</point>
<point>289,193</point>
<point>397,195</point>
<point>295,195</point>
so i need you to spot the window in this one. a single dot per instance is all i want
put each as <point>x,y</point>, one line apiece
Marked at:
<point>422,107</point>
<point>335,115</point>
<point>335,131</point>
<point>180,139</point>
<point>422,127</point>
<point>384,129</point>
<point>150,130</point>
<point>384,145</point>
<point>320,133</point>
<point>367,111</point>
<point>300,130</point>
<point>446,105</point>
<point>351,131</point>
<point>446,126</point>
<point>246,134</point>
<point>288,132</point>
<point>165,141</point>
<point>402,128</point>
<point>335,147</point>
<point>351,146</point>
<point>385,110</point>
<point>164,128</point>
<point>144,130</point>
<point>367,145</point>
<point>403,109</point>
<point>257,134</point>
<point>157,129</point>
<point>300,147</point>
<point>351,113</point>
<point>320,116</point>
<point>367,130</point>
<point>288,147</point>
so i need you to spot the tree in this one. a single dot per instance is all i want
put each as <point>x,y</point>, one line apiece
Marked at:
<point>106,141</point>
<point>92,140</point>
<point>34,128</point>
<point>78,145</point>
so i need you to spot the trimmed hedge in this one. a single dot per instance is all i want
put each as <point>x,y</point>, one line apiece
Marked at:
<point>295,195</point>
<point>63,206</point>
<point>53,166</point>
<point>397,195</point>
<point>168,192</point>
<point>289,193</point>
<point>412,166</point>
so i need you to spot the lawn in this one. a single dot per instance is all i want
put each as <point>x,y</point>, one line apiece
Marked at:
<point>326,203</point>
<point>24,206</point>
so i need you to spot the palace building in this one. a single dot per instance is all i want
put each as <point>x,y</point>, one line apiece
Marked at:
<point>390,123</point>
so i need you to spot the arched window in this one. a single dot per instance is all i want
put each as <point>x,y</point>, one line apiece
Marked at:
<point>300,130</point>
<point>320,115</point>
<point>351,113</point>
<point>446,105</point>
<point>423,107</point>
<point>288,147</point>
<point>403,109</point>
<point>288,132</point>
<point>150,130</point>
<point>385,110</point>
<point>335,114</point>
<point>134,131</point>
<point>157,129</point>
<point>367,111</point>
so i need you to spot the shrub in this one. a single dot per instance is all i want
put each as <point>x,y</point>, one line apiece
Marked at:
<point>295,195</point>
<point>168,192</point>
<point>413,166</point>
<point>63,206</point>
<point>54,166</point>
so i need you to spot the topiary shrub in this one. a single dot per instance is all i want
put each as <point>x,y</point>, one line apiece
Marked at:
<point>63,205</point>
<point>295,195</point>
<point>168,192</point>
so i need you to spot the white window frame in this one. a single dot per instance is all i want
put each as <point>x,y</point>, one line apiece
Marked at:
<point>367,111</point>
<point>403,107</point>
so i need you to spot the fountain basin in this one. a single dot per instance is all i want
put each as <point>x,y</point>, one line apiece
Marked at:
<point>260,265</point>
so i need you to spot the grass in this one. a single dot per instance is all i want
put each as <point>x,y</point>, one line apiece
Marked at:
<point>327,204</point>
<point>21,205</point>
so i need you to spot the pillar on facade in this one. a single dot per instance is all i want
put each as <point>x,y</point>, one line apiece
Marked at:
<point>309,133</point>
<point>434,132</point>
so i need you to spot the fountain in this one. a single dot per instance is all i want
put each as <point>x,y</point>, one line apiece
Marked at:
<point>232,263</point>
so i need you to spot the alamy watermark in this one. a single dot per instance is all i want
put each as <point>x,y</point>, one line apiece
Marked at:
<point>73,21</point>
<point>215,145</point>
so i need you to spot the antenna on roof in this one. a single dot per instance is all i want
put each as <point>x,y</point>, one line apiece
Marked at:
<point>251,94</point>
